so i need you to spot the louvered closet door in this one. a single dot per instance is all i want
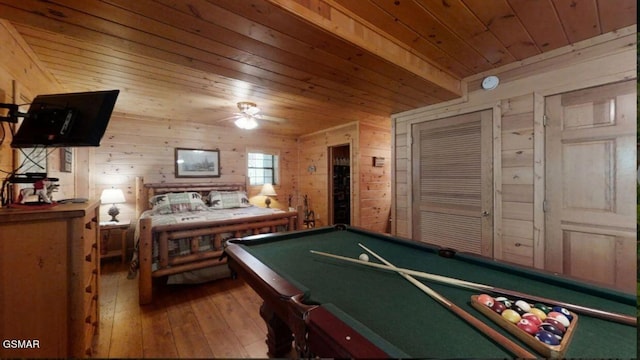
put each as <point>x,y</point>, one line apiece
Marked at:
<point>452,182</point>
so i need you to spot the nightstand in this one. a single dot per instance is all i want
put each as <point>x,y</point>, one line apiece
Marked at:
<point>105,234</point>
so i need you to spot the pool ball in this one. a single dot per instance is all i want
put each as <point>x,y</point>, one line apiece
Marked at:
<point>539,313</point>
<point>508,303</point>
<point>558,316</point>
<point>523,305</point>
<point>563,311</point>
<point>519,310</point>
<point>363,257</point>
<point>511,316</point>
<point>556,323</point>
<point>543,307</point>
<point>547,337</point>
<point>498,307</point>
<point>485,300</point>
<point>550,328</point>
<point>527,326</point>
<point>532,318</point>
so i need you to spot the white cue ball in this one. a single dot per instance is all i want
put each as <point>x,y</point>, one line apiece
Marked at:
<point>364,257</point>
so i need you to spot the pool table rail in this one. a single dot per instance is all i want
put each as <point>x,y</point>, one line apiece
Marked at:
<point>289,319</point>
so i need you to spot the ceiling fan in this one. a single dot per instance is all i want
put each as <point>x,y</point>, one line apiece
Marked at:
<point>249,115</point>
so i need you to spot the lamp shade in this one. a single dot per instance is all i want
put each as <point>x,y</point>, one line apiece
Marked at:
<point>268,190</point>
<point>112,196</point>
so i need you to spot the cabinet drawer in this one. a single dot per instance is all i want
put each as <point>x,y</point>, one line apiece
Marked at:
<point>88,339</point>
<point>91,324</point>
<point>90,264</point>
<point>90,230</point>
<point>90,298</point>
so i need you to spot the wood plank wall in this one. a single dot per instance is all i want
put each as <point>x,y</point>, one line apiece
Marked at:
<point>519,99</point>
<point>370,186</point>
<point>314,168</point>
<point>517,179</point>
<point>136,146</point>
<point>375,182</point>
<point>21,76</point>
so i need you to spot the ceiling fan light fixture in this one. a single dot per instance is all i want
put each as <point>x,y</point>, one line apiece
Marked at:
<point>248,107</point>
<point>246,122</point>
<point>251,123</point>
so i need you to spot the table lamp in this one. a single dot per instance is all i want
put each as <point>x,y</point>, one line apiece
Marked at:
<point>113,197</point>
<point>268,190</point>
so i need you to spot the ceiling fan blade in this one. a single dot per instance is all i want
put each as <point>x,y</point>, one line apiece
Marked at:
<point>229,118</point>
<point>271,118</point>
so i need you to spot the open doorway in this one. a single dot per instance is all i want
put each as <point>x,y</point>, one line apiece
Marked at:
<point>340,184</point>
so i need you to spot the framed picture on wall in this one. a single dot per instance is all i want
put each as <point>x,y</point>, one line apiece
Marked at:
<point>197,163</point>
<point>66,159</point>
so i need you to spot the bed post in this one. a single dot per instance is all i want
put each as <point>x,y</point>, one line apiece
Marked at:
<point>300,217</point>
<point>141,196</point>
<point>144,257</point>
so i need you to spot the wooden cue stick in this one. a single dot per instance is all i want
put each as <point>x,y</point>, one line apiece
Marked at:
<point>514,348</point>
<point>602,314</point>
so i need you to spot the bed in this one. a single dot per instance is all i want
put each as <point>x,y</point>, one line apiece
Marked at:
<point>185,238</point>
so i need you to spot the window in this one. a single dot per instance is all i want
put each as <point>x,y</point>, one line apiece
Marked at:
<point>263,168</point>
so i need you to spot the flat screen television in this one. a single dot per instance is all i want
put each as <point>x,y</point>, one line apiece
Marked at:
<point>66,120</point>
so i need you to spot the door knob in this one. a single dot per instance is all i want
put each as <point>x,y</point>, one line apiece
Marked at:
<point>485,213</point>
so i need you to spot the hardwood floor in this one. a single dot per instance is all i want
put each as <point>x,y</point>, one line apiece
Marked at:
<point>218,319</point>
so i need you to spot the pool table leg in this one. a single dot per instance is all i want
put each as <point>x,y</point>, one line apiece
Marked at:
<point>279,336</point>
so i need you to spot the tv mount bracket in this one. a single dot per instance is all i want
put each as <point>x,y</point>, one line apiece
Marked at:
<point>12,115</point>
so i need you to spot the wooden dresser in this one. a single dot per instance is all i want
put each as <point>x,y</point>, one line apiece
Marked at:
<point>49,281</point>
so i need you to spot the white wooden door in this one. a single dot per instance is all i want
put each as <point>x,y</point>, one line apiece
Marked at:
<point>590,185</point>
<point>453,182</point>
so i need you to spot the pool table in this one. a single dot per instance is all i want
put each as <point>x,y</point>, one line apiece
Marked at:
<point>332,308</point>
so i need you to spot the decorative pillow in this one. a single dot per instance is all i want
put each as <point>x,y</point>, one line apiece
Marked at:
<point>228,199</point>
<point>177,202</point>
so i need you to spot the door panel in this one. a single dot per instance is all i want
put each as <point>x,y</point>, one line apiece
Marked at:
<point>453,182</point>
<point>590,185</point>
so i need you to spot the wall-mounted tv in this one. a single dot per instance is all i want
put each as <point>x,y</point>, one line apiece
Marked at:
<point>66,120</point>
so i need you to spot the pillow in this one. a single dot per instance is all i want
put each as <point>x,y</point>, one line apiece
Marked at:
<point>177,202</point>
<point>228,199</point>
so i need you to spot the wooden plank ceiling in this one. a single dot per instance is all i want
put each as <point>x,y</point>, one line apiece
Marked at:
<point>308,64</point>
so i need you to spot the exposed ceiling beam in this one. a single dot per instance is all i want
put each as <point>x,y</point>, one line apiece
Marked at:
<point>348,26</point>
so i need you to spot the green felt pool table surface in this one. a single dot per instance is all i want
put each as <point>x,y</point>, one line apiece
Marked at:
<point>403,321</point>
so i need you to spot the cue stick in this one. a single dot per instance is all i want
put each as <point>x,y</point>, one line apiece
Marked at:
<point>602,314</point>
<point>514,348</point>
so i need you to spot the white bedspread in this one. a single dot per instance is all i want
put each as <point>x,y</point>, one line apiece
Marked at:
<point>210,215</point>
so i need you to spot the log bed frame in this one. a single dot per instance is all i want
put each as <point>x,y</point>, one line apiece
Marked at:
<point>195,260</point>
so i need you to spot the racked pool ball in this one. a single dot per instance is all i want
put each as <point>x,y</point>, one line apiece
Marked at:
<point>543,307</point>
<point>560,317</point>
<point>485,300</point>
<point>550,328</point>
<point>557,324</point>
<point>533,318</point>
<point>511,316</point>
<point>523,305</point>
<point>563,311</point>
<point>519,310</point>
<point>508,303</point>
<point>547,337</point>
<point>498,307</point>
<point>539,313</point>
<point>527,326</point>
